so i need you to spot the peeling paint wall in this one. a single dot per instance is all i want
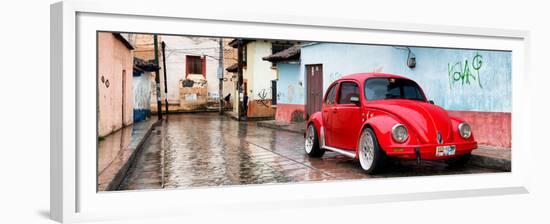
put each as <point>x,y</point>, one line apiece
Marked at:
<point>177,48</point>
<point>290,93</point>
<point>115,97</point>
<point>143,85</point>
<point>290,87</point>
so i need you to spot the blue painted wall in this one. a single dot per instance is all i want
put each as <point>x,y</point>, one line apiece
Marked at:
<point>469,80</point>
<point>290,87</point>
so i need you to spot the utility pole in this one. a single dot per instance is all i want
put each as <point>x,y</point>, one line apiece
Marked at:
<point>220,76</point>
<point>165,82</point>
<point>157,78</point>
<point>239,78</point>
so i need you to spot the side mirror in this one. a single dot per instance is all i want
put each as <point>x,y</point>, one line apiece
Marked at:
<point>355,100</point>
<point>431,101</point>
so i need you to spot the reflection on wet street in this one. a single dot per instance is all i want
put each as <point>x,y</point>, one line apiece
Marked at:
<point>194,150</point>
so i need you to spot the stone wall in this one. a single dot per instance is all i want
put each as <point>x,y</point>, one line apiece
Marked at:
<point>193,98</point>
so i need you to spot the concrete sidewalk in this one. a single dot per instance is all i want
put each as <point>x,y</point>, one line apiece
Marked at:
<point>297,127</point>
<point>117,151</point>
<point>492,157</point>
<point>484,156</point>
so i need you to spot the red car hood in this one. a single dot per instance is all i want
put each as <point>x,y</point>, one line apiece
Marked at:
<point>424,118</point>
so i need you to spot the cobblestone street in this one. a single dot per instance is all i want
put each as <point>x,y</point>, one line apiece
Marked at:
<point>194,150</point>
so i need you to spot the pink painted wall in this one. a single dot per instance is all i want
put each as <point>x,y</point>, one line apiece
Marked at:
<point>115,63</point>
<point>489,128</point>
<point>284,111</point>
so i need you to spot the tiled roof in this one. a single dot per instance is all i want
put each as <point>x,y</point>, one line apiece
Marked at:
<point>289,54</point>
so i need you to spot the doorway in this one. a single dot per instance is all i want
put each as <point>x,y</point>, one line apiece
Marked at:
<point>314,87</point>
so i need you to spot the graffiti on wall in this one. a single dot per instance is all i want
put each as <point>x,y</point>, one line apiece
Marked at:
<point>264,96</point>
<point>465,72</point>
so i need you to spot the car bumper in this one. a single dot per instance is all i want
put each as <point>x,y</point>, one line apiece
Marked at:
<point>428,151</point>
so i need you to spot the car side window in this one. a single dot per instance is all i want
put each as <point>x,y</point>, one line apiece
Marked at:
<point>331,95</point>
<point>347,90</point>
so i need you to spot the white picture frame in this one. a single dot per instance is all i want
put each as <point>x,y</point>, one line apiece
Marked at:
<point>73,143</point>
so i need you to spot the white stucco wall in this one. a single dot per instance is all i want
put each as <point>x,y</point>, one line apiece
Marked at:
<point>259,73</point>
<point>177,47</point>
<point>143,85</point>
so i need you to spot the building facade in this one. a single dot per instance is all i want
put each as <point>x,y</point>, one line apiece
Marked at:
<point>474,85</point>
<point>191,71</point>
<point>144,80</point>
<point>115,93</point>
<point>229,78</point>
<point>143,86</point>
<point>259,76</point>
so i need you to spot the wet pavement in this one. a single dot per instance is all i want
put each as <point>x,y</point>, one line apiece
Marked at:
<point>116,152</point>
<point>197,150</point>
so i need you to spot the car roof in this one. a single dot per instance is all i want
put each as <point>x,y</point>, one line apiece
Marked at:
<point>363,76</point>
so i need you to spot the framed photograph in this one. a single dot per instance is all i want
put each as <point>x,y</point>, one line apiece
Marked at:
<point>237,111</point>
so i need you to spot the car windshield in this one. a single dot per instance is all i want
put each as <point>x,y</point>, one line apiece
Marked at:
<point>392,88</point>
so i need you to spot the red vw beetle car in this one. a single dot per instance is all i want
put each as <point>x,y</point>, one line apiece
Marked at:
<point>372,116</point>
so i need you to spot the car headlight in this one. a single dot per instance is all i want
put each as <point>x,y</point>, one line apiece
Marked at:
<point>464,130</point>
<point>399,133</point>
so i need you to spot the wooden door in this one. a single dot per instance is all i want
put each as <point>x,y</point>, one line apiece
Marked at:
<point>314,87</point>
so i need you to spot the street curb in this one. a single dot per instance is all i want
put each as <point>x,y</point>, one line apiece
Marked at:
<point>279,127</point>
<point>490,162</point>
<point>119,176</point>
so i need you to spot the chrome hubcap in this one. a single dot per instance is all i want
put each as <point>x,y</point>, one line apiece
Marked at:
<point>366,150</point>
<point>310,137</point>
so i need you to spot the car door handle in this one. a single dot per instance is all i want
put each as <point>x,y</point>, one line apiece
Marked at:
<point>334,110</point>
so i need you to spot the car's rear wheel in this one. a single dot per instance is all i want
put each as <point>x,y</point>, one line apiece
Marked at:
<point>371,157</point>
<point>459,161</point>
<point>312,142</point>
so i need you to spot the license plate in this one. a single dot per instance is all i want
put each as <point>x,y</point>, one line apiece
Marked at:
<point>447,150</point>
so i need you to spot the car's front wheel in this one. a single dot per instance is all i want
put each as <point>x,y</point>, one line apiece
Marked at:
<point>312,142</point>
<point>371,157</point>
